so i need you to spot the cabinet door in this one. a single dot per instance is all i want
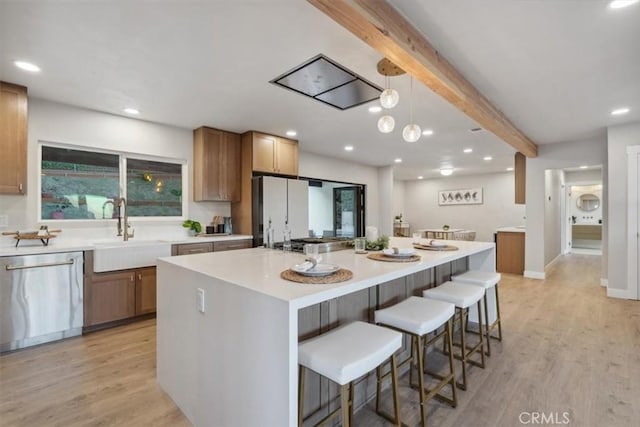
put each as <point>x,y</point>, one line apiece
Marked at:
<point>13,139</point>
<point>145,290</point>
<point>112,297</point>
<point>230,245</point>
<point>207,176</point>
<point>510,253</point>
<point>264,152</point>
<point>287,157</point>
<point>193,248</point>
<point>230,164</point>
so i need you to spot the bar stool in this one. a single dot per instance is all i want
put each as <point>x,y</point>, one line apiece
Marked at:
<point>463,296</point>
<point>345,354</point>
<point>418,317</point>
<point>487,280</point>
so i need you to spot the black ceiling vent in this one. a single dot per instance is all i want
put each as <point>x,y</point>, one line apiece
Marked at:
<point>326,81</point>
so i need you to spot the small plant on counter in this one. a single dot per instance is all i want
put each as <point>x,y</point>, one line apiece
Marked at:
<point>445,227</point>
<point>377,245</point>
<point>194,226</point>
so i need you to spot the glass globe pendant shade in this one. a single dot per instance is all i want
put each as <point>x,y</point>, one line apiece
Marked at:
<point>411,133</point>
<point>386,124</point>
<point>389,98</point>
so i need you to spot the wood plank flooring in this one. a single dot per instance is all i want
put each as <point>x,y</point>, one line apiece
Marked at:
<point>567,348</point>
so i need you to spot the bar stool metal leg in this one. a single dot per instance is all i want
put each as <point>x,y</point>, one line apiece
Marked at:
<point>420,351</point>
<point>486,319</point>
<point>344,397</point>
<point>499,320</point>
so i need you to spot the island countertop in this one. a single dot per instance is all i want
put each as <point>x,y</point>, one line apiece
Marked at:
<point>259,269</point>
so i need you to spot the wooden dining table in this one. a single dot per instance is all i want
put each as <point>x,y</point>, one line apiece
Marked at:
<point>439,233</point>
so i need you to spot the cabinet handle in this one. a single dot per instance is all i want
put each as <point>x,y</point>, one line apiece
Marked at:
<point>139,276</point>
<point>133,278</point>
<point>20,188</point>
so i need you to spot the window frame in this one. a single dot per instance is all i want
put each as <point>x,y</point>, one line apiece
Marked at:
<point>122,181</point>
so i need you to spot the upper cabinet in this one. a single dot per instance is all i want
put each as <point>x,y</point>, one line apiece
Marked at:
<point>13,139</point>
<point>273,154</point>
<point>216,165</point>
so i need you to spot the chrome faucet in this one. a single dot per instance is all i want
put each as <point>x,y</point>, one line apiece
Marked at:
<point>104,205</point>
<point>122,203</point>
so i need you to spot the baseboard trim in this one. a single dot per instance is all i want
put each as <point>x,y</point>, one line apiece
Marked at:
<point>553,261</point>
<point>534,274</point>
<point>619,293</point>
<point>604,282</point>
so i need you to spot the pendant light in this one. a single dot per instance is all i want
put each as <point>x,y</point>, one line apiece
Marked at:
<point>411,132</point>
<point>389,97</point>
<point>386,124</point>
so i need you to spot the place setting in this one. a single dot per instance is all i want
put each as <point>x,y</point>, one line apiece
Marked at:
<point>395,255</point>
<point>433,245</point>
<point>313,271</point>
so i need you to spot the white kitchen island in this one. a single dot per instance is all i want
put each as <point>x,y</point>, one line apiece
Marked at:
<point>236,363</point>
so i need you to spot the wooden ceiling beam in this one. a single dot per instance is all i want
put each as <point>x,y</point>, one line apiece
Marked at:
<point>383,28</point>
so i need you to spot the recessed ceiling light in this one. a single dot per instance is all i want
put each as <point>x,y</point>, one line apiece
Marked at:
<point>619,4</point>
<point>446,171</point>
<point>427,132</point>
<point>510,168</point>
<point>348,147</point>
<point>619,111</point>
<point>291,133</point>
<point>398,160</point>
<point>584,167</point>
<point>487,158</point>
<point>133,111</point>
<point>468,150</point>
<point>27,66</point>
<point>375,109</point>
<point>421,177</point>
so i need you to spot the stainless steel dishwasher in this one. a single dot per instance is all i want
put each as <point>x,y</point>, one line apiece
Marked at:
<point>40,298</point>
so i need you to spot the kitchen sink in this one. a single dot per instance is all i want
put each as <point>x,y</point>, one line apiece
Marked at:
<point>110,255</point>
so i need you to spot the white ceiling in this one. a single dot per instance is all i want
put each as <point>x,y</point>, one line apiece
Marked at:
<point>555,68</point>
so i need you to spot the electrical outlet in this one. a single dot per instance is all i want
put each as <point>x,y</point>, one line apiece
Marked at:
<point>200,300</point>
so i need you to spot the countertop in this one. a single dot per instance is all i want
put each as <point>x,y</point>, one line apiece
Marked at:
<point>61,244</point>
<point>259,269</point>
<point>517,229</point>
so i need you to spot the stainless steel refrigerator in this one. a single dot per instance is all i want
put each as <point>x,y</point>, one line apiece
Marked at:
<point>280,200</point>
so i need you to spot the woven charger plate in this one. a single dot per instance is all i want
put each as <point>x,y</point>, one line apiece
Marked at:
<point>379,256</point>
<point>341,275</point>
<point>436,248</point>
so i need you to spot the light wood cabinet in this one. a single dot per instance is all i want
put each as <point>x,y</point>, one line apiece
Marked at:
<point>520,176</point>
<point>216,165</point>
<point>13,139</point>
<point>510,252</point>
<point>273,154</point>
<point>230,245</point>
<point>145,290</point>
<point>111,297</point>
<point>191,248</point>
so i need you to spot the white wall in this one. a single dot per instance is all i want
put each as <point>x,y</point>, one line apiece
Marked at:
<point>313,165</point>
<point>60,123</point>
<point>587,175</point>
<point>398,200</point>
<point>619,138</point>
<point>385,208</point>
<point>553,196</point>
<point>421,207</point>
<point>554,156</point>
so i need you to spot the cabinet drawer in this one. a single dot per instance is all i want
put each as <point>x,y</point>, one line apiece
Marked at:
<point>194,248</point>
<point>230,245</point>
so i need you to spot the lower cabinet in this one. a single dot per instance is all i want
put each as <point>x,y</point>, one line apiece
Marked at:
<point>146,290</point>
<point>510,252</point>
<point>111,297</point>
<point>119,295</point>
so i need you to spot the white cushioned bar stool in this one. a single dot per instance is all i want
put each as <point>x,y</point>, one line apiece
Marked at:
<point>345,354</point>
<point>488,280</point>
<point>463,296</point>
<point>418,317</point>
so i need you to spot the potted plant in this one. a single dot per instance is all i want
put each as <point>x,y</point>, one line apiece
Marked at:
<point>194,226</point>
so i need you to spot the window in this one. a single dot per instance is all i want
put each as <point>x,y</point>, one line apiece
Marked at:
<point>80,184</point>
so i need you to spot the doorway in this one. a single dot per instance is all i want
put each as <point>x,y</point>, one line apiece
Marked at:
<point>347,211</point>
<point>583,211</point>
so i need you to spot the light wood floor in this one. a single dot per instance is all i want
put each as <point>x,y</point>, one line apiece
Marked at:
<point>567,348</point>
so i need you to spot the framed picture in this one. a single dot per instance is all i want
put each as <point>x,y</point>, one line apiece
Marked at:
<point>466,196</point>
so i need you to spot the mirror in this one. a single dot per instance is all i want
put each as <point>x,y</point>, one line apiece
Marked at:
<point>588,202</point>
